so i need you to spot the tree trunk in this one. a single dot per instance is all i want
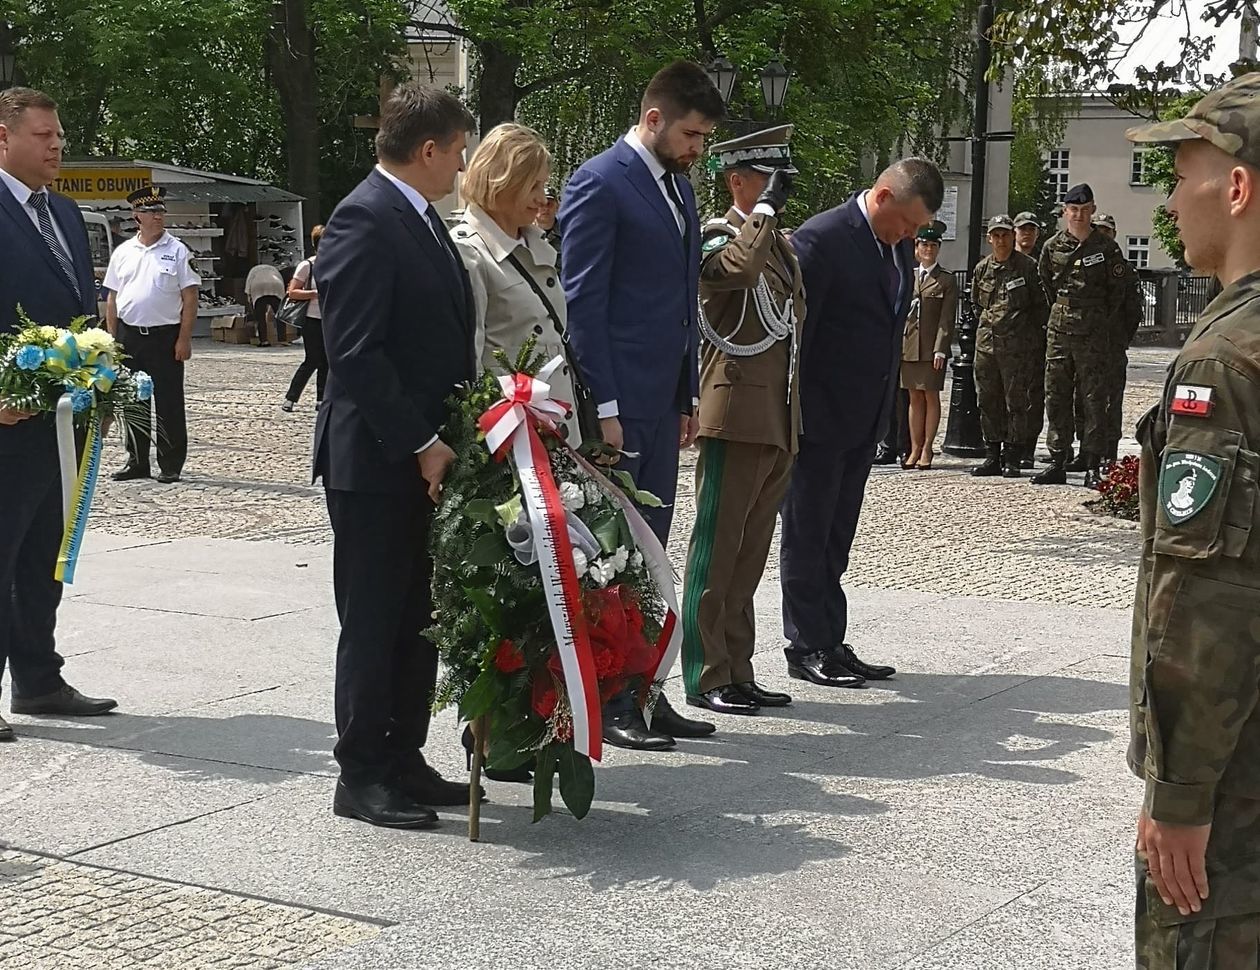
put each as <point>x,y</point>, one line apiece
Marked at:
<point>497,91</point>
<point>92,123</point>
<point>291,60</point>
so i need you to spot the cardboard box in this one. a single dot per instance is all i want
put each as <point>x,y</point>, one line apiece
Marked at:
<point>231,330</point>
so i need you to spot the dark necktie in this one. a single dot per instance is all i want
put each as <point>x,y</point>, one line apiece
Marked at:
<point>671,189</point>
<point>39,202</point>
<point>439,231</point>
<point>892,278</point>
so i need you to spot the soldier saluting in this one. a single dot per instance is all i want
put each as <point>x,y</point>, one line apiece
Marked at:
<point>1086,280</point>
<point>752,306</point>
<point>1194,696</point>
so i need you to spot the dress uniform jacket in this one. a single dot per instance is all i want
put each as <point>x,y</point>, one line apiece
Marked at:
<point>929,327</point>
<point>749,423</point>
<point>1195,667</point>
<point>747,398</point>
<point>508,309</point>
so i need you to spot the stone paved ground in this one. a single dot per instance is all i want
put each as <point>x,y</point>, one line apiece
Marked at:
<point>972,813</point>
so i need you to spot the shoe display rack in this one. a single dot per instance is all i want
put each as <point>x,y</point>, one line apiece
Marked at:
<point>278,229</point>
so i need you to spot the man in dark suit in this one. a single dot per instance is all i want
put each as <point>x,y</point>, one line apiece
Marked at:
<point>857,260</point>
<point>398,327</point>
<point>47,270</point>
<point>631,267</point>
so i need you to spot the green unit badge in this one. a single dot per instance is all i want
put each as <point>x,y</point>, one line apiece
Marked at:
<point>1187,482</point>
<point>717,242</point>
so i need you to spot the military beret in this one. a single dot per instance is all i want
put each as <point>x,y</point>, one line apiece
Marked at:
<point>1001,222</point>
<point>1027,219</point>
<point>1103,219</point>
<point>932,232</point>
<point>1228,118</point>
<point>151,198</point>
<point>1079,195</point>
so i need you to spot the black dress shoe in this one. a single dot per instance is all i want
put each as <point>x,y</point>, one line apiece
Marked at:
<point>823,669</point>
<point>168,478</point>
<point>520,775</point>
<point>727,699</point>
<point>668,720</point>
<point>6,732</point>
<point>627,729</point>
<point>381,805</point>
<point>759,695</point>
<point>64,701</point>
<point>849,659</point>
<point>885,457</point>
<point>416,779</point>
<point>130,473</point>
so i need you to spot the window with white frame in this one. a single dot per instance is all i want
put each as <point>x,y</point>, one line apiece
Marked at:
<point>1139,251</point>
<point>1137,167</point>
<point>1058,168</point>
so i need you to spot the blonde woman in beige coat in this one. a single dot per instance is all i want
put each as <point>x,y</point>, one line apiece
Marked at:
<point>515,282</point>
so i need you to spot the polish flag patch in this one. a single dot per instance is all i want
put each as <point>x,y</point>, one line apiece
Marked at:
<point>1192,400</point>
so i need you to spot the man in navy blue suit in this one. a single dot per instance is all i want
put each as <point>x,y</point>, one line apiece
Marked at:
<point>631,267</point>
<point>398,326</point>
<point>857,261</point>
<point>46,269</point>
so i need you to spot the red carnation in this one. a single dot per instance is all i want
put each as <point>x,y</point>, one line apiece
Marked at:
<point>508,658</point>
<point>544,701</point>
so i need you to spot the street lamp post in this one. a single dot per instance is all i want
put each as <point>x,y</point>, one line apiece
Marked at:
<point>723,74</point>
<point>8,59</point>
<point>774,85</point>
<point>963,436</point>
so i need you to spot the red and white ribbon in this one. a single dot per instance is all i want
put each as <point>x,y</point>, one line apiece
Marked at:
<point>527,400</point>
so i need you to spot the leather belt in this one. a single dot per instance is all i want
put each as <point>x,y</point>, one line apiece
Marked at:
<point>143,331</point>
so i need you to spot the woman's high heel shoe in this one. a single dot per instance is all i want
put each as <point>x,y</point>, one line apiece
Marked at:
<point>910,460</point>
<point>521,775</point>
<point>926,466</point>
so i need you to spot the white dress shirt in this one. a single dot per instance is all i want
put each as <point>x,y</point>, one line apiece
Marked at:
<point>421,205</point>
<point>22,193</point>
<point>901,270</point>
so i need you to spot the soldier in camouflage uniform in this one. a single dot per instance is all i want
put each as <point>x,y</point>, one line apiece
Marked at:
<point>1195,671</point>
<point>1085,279</point>
<point>1006,292</point>
<point>1125,328</point>
<point>752,306</point>
<point>1027,241</point>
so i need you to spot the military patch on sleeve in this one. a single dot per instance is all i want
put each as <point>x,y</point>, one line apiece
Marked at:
<point>1192,400</point>
<point>716,242</point>
<point>1093,259</point>
<point>1187,482</point>
<point>1118,270</point>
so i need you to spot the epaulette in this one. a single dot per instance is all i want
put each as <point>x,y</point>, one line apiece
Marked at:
<point>716,233</point>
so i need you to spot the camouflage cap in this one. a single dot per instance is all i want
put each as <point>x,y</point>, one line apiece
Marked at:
<point>1001,222</point>
<point>1027,219</point>
<point>1228,118</point>
<point>1103,219</point>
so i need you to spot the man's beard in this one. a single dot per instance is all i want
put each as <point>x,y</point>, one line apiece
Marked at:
<point>675,166</point>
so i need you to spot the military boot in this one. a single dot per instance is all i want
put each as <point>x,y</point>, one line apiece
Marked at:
<point>1078,464</point>
<point>1010,461</point>
<point>1056,474</point>
<point>1027,457</point>
<point>992,464</point>
<point>1097,471</point>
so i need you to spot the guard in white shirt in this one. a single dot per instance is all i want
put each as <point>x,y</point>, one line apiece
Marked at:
<point>152,307</point>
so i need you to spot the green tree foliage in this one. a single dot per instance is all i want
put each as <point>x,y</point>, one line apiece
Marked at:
<point>1157,170</point>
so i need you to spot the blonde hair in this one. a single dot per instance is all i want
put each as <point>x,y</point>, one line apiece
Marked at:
<point>509,159</point>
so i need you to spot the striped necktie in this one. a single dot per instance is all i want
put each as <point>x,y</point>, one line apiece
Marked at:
<point>39,202</point>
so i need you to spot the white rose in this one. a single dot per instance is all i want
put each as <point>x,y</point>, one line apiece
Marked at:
<point>571,496</point>
<point>620,558</point>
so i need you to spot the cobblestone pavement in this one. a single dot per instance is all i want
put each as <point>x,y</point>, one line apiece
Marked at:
<point>248,477</point>
<point>62,916</point>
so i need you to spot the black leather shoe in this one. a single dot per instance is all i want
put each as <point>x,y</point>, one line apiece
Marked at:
<point>727,699</point>
<point>1056,474</point>
<point>382,805</point>
<point>520,775</point>
<point>168,478</point>
<point>823,669</point>
<point>416,779</point>
<point>65,701</point>
<point>6,732</point>
<point>885,457</point>
<point>1078,464</point>
<point>130,473</point>
<point>765,698</point>
<point>668,720</point>
<point>866,671</point>
<point>627,729</point>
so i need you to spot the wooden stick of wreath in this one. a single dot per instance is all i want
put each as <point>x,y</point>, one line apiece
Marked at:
<point>474,782</point>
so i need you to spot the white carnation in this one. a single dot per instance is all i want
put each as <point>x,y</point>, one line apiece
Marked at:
<point>95,339</point>
<point>620,558</point>
<point>571,496</point>
<point>602,572</point>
